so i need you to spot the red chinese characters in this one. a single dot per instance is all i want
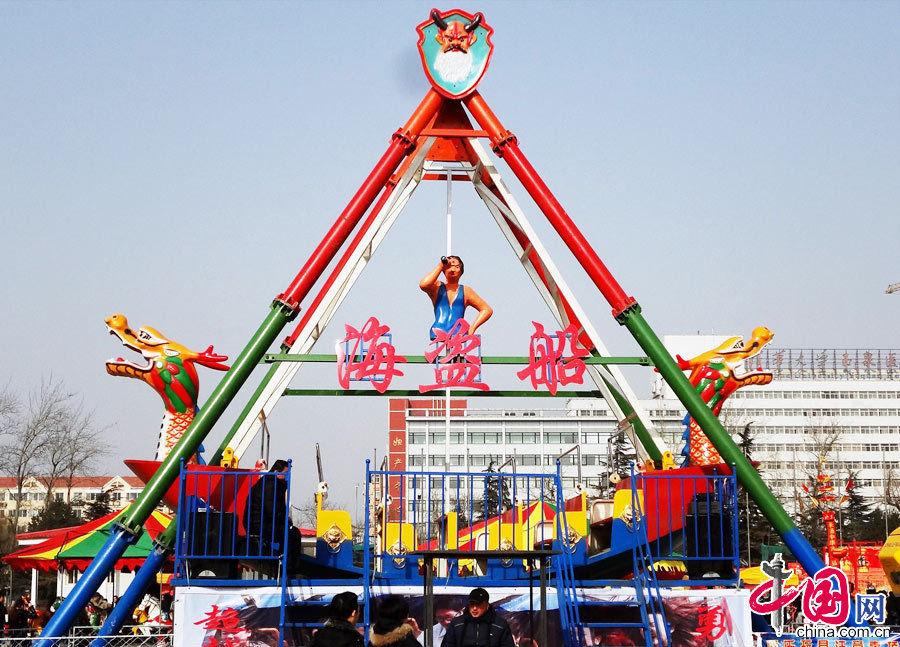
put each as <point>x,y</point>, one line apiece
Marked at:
<point>226,620</point>
<point>226,628</point>
<point>546,361</point>
<point>457,366</point>
<point>713,622</point>
<point>361,356</point>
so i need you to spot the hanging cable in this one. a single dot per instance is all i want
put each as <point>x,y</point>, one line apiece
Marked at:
<point>449,212</point>
<point>449,252</point>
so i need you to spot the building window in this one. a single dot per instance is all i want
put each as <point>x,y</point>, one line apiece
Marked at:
<point>560,437</point>
<point>59,496</point>
<point>522,437</point>
<point>416,438</point>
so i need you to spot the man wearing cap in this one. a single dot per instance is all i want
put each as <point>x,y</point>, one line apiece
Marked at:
<point>479,625</point>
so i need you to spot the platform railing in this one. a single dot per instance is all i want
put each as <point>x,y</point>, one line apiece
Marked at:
<point>230,515</point>
<point>83,636</point>
<point>488,510</point>
<point>693,519</point>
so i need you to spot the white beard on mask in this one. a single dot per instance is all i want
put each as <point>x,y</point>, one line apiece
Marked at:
<point>453,66</point>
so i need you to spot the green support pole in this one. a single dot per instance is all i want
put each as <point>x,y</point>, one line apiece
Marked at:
<point>224,392</point>
<point>632,319</point>
<point>711,425</point>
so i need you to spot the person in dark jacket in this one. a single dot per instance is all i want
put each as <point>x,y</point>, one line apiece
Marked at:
<point>20,615</point>
<point>340,627</point>
<point>393,627</point>
<point>266,509</point>
<point>479,625</point>
<point>266,514</point>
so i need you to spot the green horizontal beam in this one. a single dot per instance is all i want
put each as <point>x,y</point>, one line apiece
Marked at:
<point>414,393</point>
<point>420,359</point>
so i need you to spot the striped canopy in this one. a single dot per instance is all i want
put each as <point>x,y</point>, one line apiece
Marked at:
<point>76,547</point>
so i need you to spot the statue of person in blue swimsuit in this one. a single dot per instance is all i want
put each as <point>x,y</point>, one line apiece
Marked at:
<point>451,299</point>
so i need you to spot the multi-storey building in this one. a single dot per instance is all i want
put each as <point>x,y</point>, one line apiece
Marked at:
<point>81,492</point>
<point>840,407</point>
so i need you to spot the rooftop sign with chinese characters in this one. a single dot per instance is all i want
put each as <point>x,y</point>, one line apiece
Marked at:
<point>830,364</point>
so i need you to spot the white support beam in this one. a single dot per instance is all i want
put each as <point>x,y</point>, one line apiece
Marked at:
<point>507,207</point>
<point>335,295</point>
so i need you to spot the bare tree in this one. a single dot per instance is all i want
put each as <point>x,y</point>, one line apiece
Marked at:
<point>72,449</point>
<point>26,430</point>
<point>80,448</point>
<point>891,488</point>
<point>36,434</point>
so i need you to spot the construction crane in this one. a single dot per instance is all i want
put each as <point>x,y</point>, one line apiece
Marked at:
<point>893,287</point>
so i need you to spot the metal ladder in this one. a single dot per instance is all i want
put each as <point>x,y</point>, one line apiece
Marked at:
<point>647,595</point>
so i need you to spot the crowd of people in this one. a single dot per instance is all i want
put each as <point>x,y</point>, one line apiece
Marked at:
<point>21,619</point>
<point>477,625</point>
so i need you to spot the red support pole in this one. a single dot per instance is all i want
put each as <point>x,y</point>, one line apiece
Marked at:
<point>402,143</point>
<point>505,145</point>
<point>345,258</point>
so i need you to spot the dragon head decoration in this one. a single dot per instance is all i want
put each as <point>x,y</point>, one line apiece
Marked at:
<point>716,374</point>
<point>169,368</point>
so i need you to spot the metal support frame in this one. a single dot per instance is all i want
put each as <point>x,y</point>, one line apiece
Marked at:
<point>318,317</point>
<point>284,308</point>
<point>533,256</point>
<point>559,298</point>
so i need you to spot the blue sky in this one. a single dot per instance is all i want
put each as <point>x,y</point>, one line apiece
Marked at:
<point>734,164</point>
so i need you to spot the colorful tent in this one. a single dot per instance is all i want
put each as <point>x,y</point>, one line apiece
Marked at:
<point>76,547</point>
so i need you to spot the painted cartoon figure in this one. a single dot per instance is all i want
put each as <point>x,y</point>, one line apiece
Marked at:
<point>169,370</point>
<point>451,299</point>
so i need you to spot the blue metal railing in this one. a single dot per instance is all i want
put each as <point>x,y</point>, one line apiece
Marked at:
<point>693,519</point>
<point>231,515</point>
<point>425,499</point>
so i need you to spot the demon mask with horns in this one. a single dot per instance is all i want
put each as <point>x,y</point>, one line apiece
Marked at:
<point>455,49</point>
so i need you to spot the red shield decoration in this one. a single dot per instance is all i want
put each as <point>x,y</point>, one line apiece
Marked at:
<point>455,48</point>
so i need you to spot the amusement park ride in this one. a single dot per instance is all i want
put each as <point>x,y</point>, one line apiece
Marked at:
<point>498,530</point>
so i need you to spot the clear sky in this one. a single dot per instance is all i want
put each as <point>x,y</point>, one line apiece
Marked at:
<point>734,164</point>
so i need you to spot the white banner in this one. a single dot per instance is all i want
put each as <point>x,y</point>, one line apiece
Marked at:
<point>230,617</point>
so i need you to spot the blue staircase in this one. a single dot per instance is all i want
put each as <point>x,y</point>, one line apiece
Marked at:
<point>643,612</point>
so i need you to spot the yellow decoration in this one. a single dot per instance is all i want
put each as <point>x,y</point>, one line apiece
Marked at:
<point>333,526</point>
<point>229,460</point>
<point>889,556</point>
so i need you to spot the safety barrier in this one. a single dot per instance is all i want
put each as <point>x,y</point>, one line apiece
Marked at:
<point>226,516</point>
<point>460,510</point>
<point>692,518</point>
<point>130,636</point>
